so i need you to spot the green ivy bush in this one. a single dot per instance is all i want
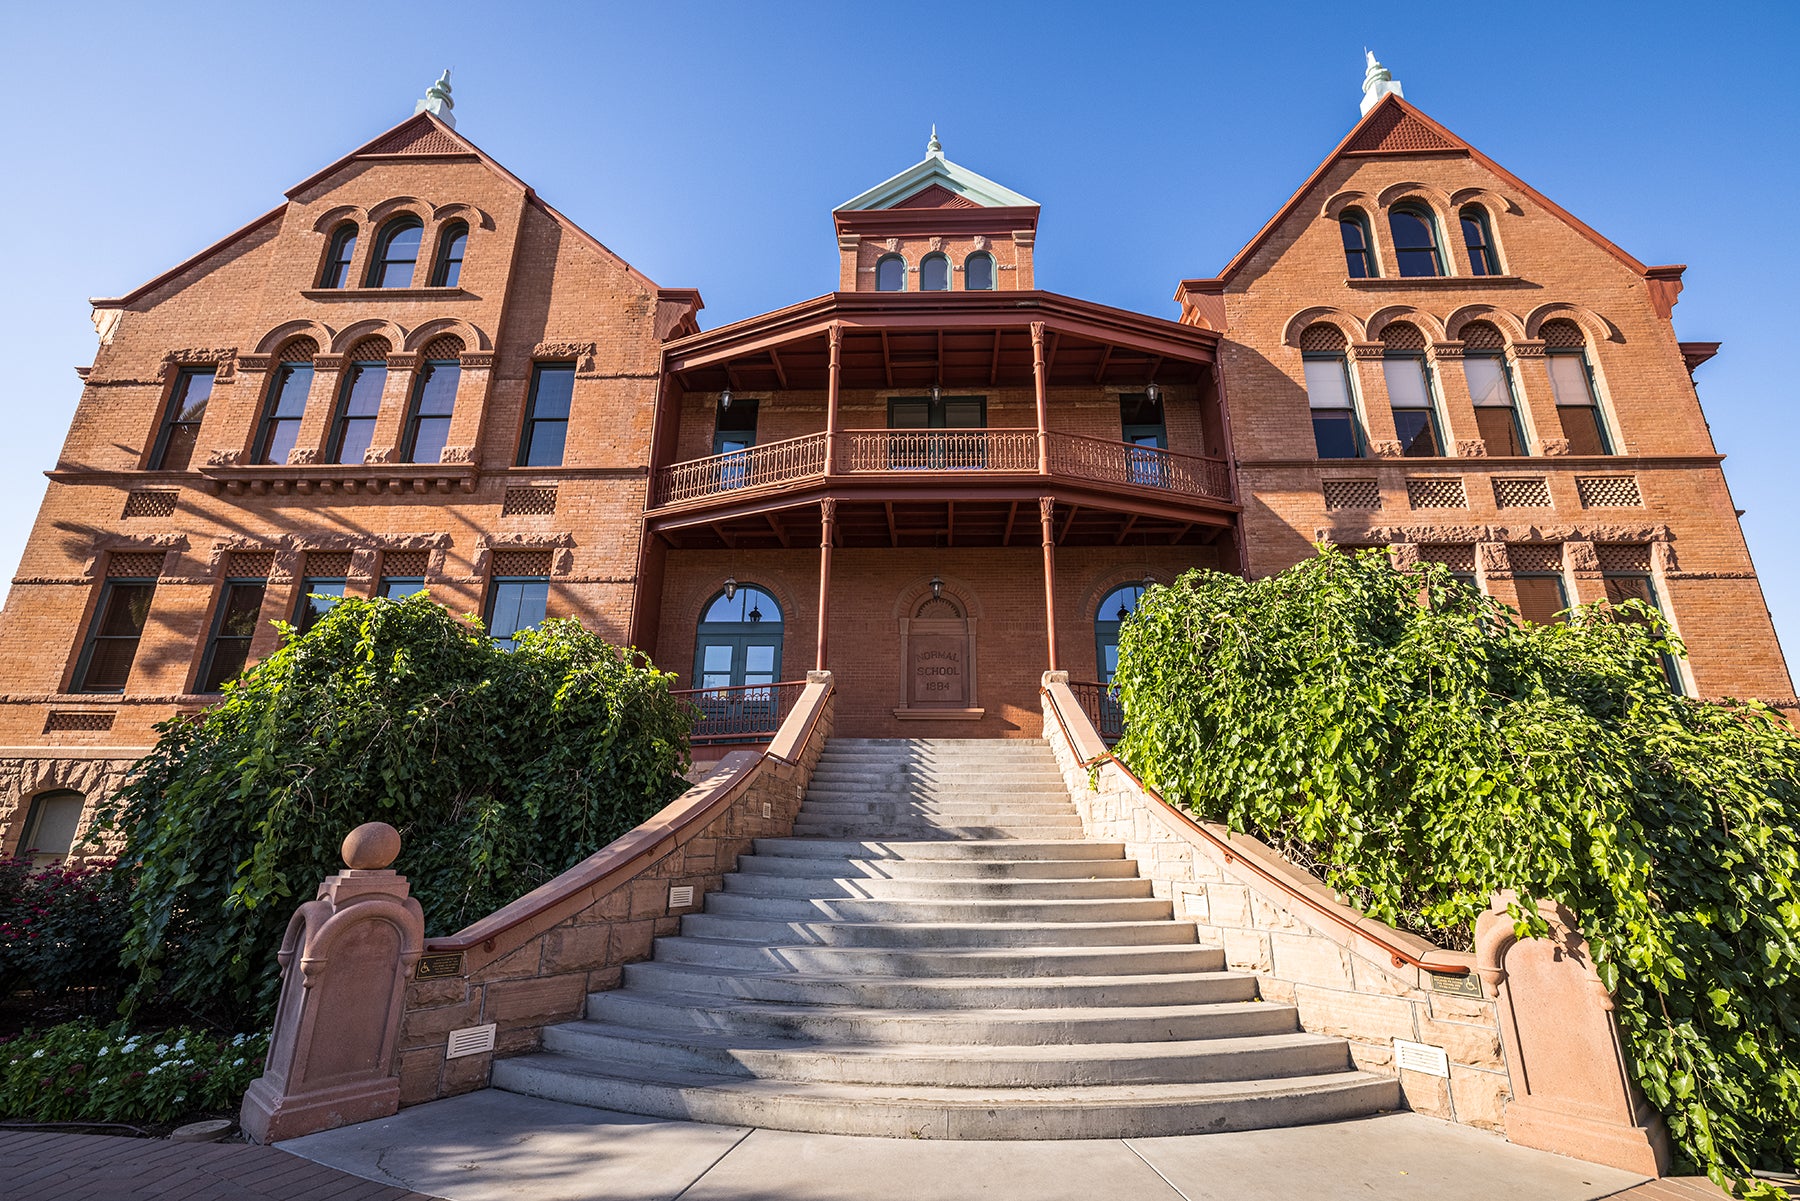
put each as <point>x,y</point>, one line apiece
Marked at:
<point>59,929</point>
<point>81,1072</point>
<point>1399,734</point>
<point>500,770</point>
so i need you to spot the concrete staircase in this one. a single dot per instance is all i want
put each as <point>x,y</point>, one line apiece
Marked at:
<point>939,953</point>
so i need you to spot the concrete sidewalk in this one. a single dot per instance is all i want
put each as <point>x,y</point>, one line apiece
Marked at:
<point>493,1146</point>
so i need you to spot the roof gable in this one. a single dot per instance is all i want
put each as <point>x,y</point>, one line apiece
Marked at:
<point>919,186</point>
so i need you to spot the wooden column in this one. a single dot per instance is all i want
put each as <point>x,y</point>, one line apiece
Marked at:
<point>827,530</point>
<point>836,335</point>
<point>1047,516</point>
<point>1043,400</point>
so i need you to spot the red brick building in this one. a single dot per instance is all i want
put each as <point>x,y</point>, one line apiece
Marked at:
<point>938,480</point>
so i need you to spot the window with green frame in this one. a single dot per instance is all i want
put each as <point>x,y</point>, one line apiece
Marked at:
<point>738,641</point>
<point>1572,384</point>
<point>1337,432</point>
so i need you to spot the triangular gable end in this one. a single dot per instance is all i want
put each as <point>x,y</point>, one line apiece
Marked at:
<point>1394,129</point>
<point>936,174</point>
<point>417,138</point>
<point>936,196</point>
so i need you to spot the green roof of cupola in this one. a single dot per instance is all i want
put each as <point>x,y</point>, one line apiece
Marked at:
<point>966,188</point>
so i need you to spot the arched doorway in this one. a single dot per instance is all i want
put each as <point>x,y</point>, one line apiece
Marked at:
<point>1115,607</point>
<point>738,640</point>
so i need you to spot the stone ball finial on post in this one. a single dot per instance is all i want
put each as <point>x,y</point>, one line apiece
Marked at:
<point>371,847</point>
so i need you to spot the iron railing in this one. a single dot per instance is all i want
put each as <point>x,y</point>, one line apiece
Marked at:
<point>1110,462</point>
<point>1101,704</point>
<point>743,713</point>
<point>754,467</point>
<point>862,451</point>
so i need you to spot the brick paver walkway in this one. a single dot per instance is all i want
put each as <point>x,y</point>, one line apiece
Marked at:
<point>86,1167</point>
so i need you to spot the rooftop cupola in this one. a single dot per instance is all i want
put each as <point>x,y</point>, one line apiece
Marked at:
<point>437,101</point>
<point>1378,81</point>
<point>936,227</point>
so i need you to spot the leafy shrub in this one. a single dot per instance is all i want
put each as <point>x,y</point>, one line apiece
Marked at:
<point>59,928</point>
<point>77,1072</point>
<point>500,770</point>
<point>1398,733</point>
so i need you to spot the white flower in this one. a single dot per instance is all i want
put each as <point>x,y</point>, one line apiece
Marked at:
<point>238,1064</point>
<point>103,1051</point>
<point>38,1054</point>
<point>161,1048</point>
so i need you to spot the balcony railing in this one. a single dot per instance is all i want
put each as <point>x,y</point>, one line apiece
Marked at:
<point>881,452</point>
<point>1101,704</point>
<point>745,713</point>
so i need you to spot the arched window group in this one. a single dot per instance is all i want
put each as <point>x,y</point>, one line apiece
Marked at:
<point>935,273</point>
<point>394,260</point>
<point>1417,241</point>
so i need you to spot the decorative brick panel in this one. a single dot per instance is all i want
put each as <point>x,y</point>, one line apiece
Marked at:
<point>522,562</point>
<point>1322,338</point>
<point>1396,130</point>
<point>249,564</point>
<point>1457,556</point>
<point>149,503</point>
<point>529,502</point>
<point>327,564</point>
<point>1482,335</point>
<point>444,346</point>
<point>1403,336</point>
<point>1609,492</point>
<point>1631,557</point>
<point>1535,556</point>
<point>1531,492</point>
<point>64,721</point>
<point>1436,492</point>
<point>1562,334</point>
<point>1352,494</point>
<point>405,564</point>
<point>139,564</point>
<point>300,350</point>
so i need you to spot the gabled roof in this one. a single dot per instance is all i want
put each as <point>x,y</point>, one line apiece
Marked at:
<point>962,186</point>
<point>421,135</point>
<point>1395,127</point>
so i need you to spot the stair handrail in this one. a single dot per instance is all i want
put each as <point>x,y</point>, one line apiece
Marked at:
<point>1250,852</point>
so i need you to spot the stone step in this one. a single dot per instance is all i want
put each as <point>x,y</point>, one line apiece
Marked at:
<point>898,779</point>
<point>977,965</point>
<point>775,931</point>
<point>1058,801</point>
<point>948,849</point>
<point>873,827</point>
<point>881,889</point>
<point>994,745</point>
<point>710,1013</point>
<point>938,869</point>
<point>1038,992</point>
<point>896,1111</point>
<point>960,805</point>
<point>831,909</point>
<point>1173,1062</point>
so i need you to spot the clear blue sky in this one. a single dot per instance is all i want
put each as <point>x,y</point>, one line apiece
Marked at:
<point>707,143</point>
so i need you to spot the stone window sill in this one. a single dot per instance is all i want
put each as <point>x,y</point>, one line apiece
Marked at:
<point>386,294</point>
<point>1432,281</point>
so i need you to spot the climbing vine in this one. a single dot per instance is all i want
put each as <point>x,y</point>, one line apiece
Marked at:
<point>1401,734</point>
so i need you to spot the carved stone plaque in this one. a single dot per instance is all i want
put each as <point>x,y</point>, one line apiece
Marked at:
<point>938,670</point>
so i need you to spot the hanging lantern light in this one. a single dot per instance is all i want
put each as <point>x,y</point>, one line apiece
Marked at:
<point>730,587</point>
<point>937,587</point>
<point>937,392</point>
<point>725,399</point>
<point>1152,393</point>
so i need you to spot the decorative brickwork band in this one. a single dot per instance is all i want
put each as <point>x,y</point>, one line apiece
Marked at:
<point>1609,492</point>
<point>1352,494</point>
<point>149,503</point>
<point>1436,492</point>
<point>1532,492</point>
<point>529,502</point>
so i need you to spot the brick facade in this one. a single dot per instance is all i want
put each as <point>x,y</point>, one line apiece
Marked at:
<point>646,394</point>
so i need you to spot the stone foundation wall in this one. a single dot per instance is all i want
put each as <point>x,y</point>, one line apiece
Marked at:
<point>96,773</point>
<point>1338,967</point>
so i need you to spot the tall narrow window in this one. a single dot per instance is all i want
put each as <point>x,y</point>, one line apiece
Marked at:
<point>51,825</point>
<point>1572,383</point>
<point>288,387</point>
<point>447,271</point>
<point>890,274</point>
<point>181,420</point>
<point>519,594</point>
<point>1336,432</point>
<point>337,258</point>
<point>1143,428</point>
<point>1115,608</point>
<point>1478,236</point>
<point>1359,255</point>
<point>1410,392</point>
<point>734,433</point>
<point>934,273</point>
<point>1415,241</point>
<point>233,628</point>
<point>978,272</point>
<point>396,253</point>
<point>359,401</point>
<point>1625,568</point>
<point>317,596</point>
<point>428,417</point>
<point>1538,581</point>
<point>1491,388</point>
<point>547,415</point>
<point>113,638</point>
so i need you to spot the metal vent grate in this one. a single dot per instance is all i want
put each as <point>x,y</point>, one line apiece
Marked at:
<point>1530,493</point>
<point>1436,492</point>
<point>1352,494</point>
<point>528,502</point>
<point>1421,1057</point>
<point>82,720</point>
<point>471,1040</point>
<point>149,504</point>
<point>681,896</point>
<point>1609,492</point>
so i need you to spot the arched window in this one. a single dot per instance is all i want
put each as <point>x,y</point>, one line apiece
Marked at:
<point>1491,388</point>
<point>934,273</point>
<point>396,253</point>
<point>978,272</point>
<point>1415,240</point>
<point>51,825</point>
<point>288,386</point>
<point>1572,382</point>
<point>1410,391</point>
<point>1478,236</point>
<point>452,239</point>
<point>1359,254</point>
<point>1115,607</point>
<point>337,258</point>
<point>738,643</point>
<point>890,274</point>
<point>1336,432</point>
<point>359,401</point>
<point>433,401</point>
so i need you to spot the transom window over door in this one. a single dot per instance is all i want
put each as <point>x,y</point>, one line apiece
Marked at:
<point>738,642</point>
